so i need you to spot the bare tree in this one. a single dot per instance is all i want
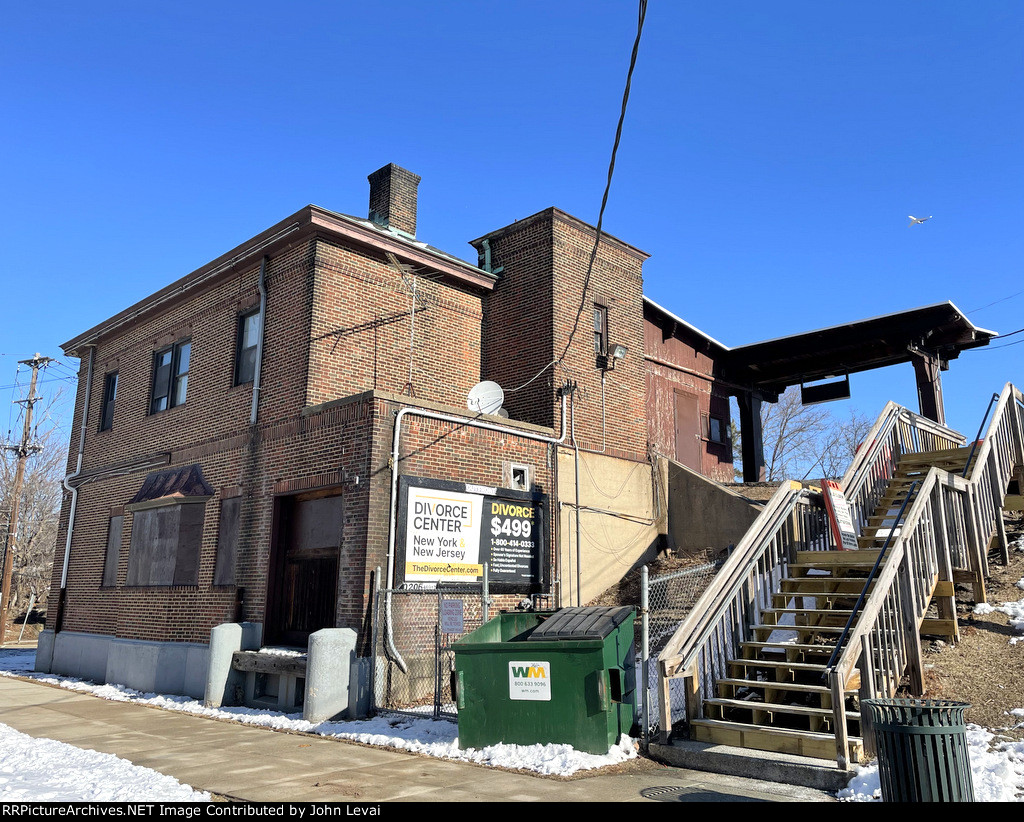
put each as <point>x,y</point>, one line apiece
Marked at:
<point>39,512</point>
<point>792,436</point>
<point>840,446</point>
<point>802,441</point>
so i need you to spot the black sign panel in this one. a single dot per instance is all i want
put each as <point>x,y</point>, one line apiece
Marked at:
<point>448,530</point>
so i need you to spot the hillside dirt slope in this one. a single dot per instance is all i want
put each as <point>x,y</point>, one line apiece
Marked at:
<point>986,668</point>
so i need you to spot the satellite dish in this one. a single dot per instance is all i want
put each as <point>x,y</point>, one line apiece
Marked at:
<point>485,398</point>
<point>503,412</point>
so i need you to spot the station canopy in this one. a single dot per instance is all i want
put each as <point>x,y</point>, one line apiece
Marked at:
<point>939,332</point>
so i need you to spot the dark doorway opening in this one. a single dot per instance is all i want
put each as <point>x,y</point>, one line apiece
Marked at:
<point>303,585</point>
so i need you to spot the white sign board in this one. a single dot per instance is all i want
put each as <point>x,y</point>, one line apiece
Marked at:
<point>451,616</point>
<point>839,516</point>
<point>443,536</point>
<point>529,681</point>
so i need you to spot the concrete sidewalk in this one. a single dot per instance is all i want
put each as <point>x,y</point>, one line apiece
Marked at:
<point>261,765</point>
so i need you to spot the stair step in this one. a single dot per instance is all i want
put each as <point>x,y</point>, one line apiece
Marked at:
<point>821,691</point>
<point>781,668</point>
<point>788,648</point>
<point>778,740</point>
<point>813,616</point>
<point>807,586</point>
<point>830,559</point>
<point>777,708</point>
<point>783,599</point>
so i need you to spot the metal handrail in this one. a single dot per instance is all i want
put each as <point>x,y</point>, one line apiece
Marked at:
<point>974,445</point>
<point>867,584</point>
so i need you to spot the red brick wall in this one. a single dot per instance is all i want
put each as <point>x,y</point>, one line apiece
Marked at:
<point>364,334</point>
<point>543,295</point>
<point>317,428</point>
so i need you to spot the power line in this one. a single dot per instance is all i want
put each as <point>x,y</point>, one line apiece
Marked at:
<point>642,13</point>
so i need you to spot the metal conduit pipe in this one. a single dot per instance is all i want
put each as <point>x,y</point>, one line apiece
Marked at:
<point>396,442</point>
<point>74,491</point>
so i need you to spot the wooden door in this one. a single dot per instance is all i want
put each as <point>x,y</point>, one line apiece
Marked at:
<point>687,425</point>
<point>303,589</point>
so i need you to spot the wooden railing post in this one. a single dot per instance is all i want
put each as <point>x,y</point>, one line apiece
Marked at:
<point>664,704</point>
<point>867,691</point>
<point>911,637</point>
<point>838,687</point>
<point>997,502</point>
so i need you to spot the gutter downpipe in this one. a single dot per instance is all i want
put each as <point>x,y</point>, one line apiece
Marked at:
<point>396,441</point>
<point>74,492</point>
<point>259,342</point>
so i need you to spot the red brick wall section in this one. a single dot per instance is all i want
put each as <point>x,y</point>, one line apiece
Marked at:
<point>343,442</point>
<point>364,334</point>
<point>543,295</point>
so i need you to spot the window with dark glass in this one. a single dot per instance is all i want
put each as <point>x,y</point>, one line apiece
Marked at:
<point>717,430</point>
<point>248,340</point>
<point>109,394</point>
<point>600,330</point>
<point>170,376</point>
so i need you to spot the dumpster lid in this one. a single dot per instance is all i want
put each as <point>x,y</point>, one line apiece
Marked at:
<point>581,623</point>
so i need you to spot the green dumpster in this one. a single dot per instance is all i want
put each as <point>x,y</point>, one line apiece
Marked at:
<point>563,676</point>
<point>922,750</point>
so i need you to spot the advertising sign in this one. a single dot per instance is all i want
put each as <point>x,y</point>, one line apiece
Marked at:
<point>451,529</point>
<point>839,517</point>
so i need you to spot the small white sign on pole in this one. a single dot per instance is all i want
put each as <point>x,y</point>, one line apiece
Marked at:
<point>451,616</point>
<point>839,517</point>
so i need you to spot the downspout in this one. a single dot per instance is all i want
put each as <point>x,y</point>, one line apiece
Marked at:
<point>259,343</point>
<point>396,442</point>
<point>74,491</point>
<point>576,483</point>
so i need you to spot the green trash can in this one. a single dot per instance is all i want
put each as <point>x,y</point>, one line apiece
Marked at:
<point>922,750</point>
<point>563,676</point>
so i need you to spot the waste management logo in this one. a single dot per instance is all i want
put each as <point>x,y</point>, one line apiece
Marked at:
<point>529,681</point>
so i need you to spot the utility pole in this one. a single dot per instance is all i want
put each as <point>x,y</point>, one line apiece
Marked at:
<point>23,452</point>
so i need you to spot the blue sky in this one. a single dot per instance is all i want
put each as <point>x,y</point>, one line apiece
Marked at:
<point>770,155</point>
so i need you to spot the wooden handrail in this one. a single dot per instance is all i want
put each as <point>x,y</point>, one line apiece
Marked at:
<point>903,585</point>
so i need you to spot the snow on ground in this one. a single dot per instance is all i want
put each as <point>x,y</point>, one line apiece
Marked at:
<point>997,764</point>
<point>42,770</point>
<point>425,736</point>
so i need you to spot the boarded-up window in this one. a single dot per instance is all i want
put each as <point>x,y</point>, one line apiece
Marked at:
<point>227,541</point>
<point>165,546</point>
<point>114,530</point>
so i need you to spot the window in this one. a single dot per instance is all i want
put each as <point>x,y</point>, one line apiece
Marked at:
<point>600,332</point>
<point>165,545</point>
<point>167,527</point>
<point>109,394</point>
<point>170,376</point>
<point>114,530</point>
<point>248,340</point>
<point>227,541</point>
<point>717,430</point>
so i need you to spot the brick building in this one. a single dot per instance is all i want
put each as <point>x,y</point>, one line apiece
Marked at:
<point>250,441</point>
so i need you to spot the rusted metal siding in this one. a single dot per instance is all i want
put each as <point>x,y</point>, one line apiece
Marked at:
<point>683,398</point>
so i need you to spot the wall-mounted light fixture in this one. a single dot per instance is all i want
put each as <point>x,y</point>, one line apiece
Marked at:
<point>616,352</point>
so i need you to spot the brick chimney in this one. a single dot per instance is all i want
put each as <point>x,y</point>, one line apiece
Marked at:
<point>393,198</point>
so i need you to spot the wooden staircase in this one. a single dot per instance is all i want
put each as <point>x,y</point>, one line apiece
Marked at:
<point>774,696</point>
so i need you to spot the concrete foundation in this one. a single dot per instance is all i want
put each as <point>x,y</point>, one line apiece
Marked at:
<point>151,667</point>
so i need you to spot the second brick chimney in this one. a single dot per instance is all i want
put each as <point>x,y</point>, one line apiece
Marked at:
<point>393,198</point>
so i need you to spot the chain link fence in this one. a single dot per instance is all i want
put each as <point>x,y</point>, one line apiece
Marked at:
<point>666,601</point>
<point>413,656</point>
